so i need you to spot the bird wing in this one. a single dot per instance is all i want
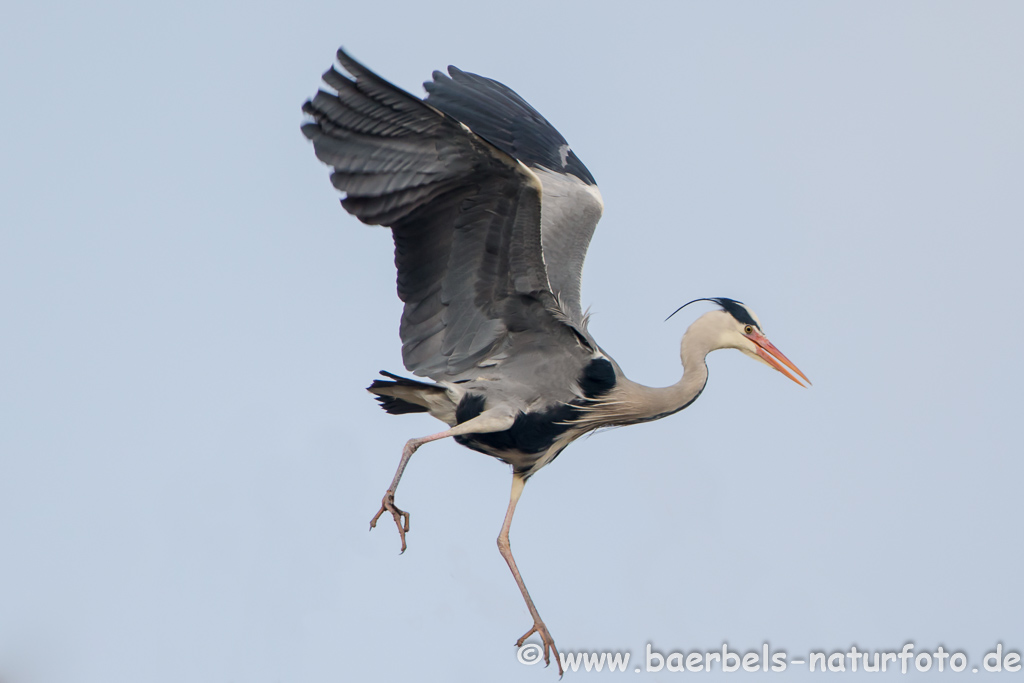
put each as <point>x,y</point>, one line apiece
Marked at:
<point>571,204</point>
<point>465,218</point>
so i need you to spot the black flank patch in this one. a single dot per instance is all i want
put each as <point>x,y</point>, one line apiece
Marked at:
<point>530,433</point>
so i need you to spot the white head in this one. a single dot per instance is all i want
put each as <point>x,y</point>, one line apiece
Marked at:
<point>735,326</point>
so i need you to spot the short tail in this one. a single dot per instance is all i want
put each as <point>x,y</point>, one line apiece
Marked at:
<point>403,395</point>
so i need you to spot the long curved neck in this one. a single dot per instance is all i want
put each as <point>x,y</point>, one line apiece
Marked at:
<point>630,402</point>
<point>640,403</point>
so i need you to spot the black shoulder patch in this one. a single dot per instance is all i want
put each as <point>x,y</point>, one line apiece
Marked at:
<point>736,310</point>
<point>597,378</point>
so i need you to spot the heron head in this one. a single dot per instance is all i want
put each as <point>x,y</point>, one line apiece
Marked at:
<point>736,326</point>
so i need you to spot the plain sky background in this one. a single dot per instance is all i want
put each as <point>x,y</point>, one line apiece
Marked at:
<point>188,458</point>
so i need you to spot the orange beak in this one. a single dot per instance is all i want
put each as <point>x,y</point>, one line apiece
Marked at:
<point>767,352</point>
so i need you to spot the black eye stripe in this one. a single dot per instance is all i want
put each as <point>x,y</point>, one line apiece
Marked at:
<point>737,310</point>
<point>734,308</point>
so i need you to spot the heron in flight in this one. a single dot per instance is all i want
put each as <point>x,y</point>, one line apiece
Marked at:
<point>491,214</point>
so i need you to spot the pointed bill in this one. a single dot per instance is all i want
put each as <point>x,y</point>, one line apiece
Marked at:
<point>767,352</point>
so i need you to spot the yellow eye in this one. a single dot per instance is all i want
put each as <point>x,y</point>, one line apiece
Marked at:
<point>748,329</point>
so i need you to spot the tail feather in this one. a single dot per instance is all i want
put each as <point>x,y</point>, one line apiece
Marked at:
<point>402,396</point>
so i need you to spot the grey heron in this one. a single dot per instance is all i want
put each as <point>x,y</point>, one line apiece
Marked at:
<point>491,214</point>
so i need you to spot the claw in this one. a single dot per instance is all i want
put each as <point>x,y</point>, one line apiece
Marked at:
<point>547,641</point>
<point>401,517</point>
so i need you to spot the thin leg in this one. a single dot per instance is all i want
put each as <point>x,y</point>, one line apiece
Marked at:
<point>506,551</point>
<point>401,517</point>
<point>496,420</point>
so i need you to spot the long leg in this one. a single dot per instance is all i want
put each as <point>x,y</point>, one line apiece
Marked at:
<point>401,517</point>
<point>506,552</point>
<point>494,420</point>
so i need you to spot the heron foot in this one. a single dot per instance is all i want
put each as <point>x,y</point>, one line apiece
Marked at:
<point>401,517</point>
<point>547,641</point>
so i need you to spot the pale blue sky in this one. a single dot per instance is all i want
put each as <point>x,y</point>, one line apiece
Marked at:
<point>188,460</point>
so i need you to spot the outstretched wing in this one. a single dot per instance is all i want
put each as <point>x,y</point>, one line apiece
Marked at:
<point>571,203</point>
<point>465,217</point>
